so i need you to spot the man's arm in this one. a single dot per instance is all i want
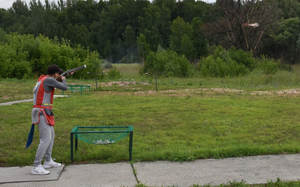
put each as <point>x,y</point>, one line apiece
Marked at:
<point>51,82</point>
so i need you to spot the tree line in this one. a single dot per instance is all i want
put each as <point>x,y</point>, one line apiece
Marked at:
<point>127,31</point>
<point>124,30</point>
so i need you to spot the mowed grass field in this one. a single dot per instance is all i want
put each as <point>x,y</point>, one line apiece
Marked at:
<point>165,127</point>
<point>168,125</point>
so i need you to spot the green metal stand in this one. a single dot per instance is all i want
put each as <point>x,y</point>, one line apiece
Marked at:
<point>121,130</point>
<point>82,89</point>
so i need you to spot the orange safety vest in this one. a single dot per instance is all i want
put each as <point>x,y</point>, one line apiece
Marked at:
<point>39,99</point>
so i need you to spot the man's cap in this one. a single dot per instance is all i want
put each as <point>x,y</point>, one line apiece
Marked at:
<point>52,69</point>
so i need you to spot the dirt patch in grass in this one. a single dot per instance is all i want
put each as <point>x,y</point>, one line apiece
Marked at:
<point>122,83</point>
<point>288,92</point>
<point>189,92</point>
<point>209,91</point>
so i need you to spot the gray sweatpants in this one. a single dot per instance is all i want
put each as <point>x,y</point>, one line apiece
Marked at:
<point>46,142</point>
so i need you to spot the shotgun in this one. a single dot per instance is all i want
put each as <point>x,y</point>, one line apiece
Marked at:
<point>70,71</point>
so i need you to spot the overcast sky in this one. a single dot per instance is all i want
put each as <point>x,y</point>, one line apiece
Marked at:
<point>7,3</point>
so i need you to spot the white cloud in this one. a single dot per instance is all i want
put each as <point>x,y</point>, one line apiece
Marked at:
<point>8,3</point>
<point>210,1</point>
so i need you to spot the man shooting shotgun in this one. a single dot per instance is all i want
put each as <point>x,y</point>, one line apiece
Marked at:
<point>43,116</point>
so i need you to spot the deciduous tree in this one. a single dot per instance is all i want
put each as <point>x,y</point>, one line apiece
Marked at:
<point>243,23</point>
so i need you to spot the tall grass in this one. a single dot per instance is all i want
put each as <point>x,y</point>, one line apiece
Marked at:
<point>255,80</point>
<point>129,70</point>
<point>14,89</point>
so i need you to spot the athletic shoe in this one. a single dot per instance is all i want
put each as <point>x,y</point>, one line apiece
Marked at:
<point>39,170</point>
<point>51,164</point>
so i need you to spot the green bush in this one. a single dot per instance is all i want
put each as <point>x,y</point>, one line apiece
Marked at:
<point>242,57</point>
<point>167,63</point>
<point>94,67</point>
<point>235,62</point>
<point>23,56</point>
<point>223,63</point>
<point>113,74</point>
<point>5,61</point>
<point>268,66</point>
<point>13,60</point>
<point>21,70</point>
<point>285,67</point>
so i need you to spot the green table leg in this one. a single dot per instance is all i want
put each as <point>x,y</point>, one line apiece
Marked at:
<point>72,158</point>
<point>76,143</point>
<point>130,145</point>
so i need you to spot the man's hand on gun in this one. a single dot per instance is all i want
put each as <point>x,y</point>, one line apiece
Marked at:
<point>61,78</point>
<point>69,73</point>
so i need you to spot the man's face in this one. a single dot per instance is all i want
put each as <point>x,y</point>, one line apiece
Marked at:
<point>56,75</point>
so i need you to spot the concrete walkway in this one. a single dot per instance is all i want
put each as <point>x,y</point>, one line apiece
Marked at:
<point>23,174</point>
<point>251,170</point>
<point>16,102</point>
<point>26,100</point>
